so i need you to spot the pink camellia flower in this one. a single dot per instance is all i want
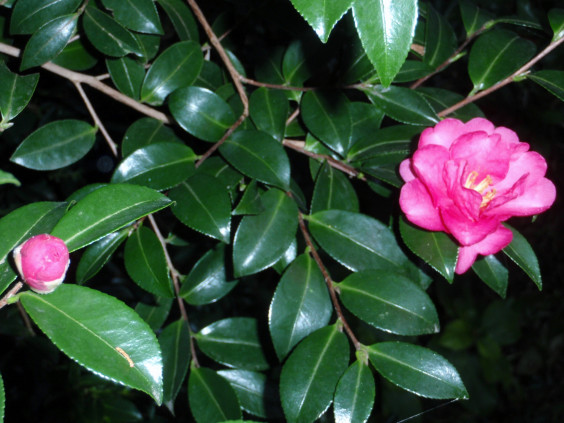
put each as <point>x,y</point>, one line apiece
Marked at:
<point>42,261</point>
<point>466,178</point>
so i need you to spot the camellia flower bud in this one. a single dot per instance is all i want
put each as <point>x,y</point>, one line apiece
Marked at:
<point>42,261</point>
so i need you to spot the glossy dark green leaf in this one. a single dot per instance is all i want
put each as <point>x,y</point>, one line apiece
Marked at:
<point>410,71</point>
<point>211,397</point>
<point>390,302</point>
<point>201,112</point>
<point>256,394</point>
<point>259,156</point>
<point>175,345</point>
<point>176,67</point>
<point>261,240</point>
<point>354,397</point>
<point>101,333</point>
<point>521,252</point>
<point>203,204</point>
<point>229,177</point>
<point>250,201</point>
<point>208,281</point>
<point>333,190</point>
<point>107,35</point>
<point>146,264</point>
<point>473,17</point>
<point>495,55</point>
<point>15,92</point>
<point>97,255</point>
<point>48,41</point>
<point>158,166</point>
<point>403,105</point>
<point>366,118</point>
<point>440,38</point>
<point>382,144</point>
<point>311,373</point>
<point>327,116</point>
<point>322,15</point>
<point>551,80</point>
<point>233,342</point>
<point>556,20</point>
<point>437,249</point>
<point>55,145</point>
<point>146,131</point>
<point>75,56</point>
<point>417,370</point>
<point>182,19</point>
<point>138,15</point>
<point>269,111</point>
<point>149,45</point>
<point>127,75</point>
<point>441,99</point>
<point>295,69</point>
<point>386,30</point>
<point>30,15</point>
<point>300,305</point>
<point>287,258</point>
<point>155,315</point>
<point>492,273</point>
<point>106,210</point>
<point>211,76</point>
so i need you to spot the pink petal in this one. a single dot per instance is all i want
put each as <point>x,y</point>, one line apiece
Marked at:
<point>427,164</point>
<point>535,199</point>
<point>405,170</point>
<point>443,133</point>
<point>465,230</point>
<point>467,200</point>
<point>418,207</point>
<point>493,243</point>
<point>479,124</point>
<point>531,163</point>
<point>508,136</point>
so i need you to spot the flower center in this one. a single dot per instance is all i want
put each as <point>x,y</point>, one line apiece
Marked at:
<point>481,187</point>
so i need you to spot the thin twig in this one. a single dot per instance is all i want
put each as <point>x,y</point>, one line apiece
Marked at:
<point>328,281</point>
<point>519,72</point>
<point>250,81</point>
<point>15,289</point>
<point>96,119</point>
<point>293,116</point>
<point>25,318</point>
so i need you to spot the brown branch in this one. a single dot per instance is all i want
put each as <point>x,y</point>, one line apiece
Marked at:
<point>249,81</point>
<point>328,281</point>
<point>293,116</point>
<point>15,289</point>
<point>511,78</point>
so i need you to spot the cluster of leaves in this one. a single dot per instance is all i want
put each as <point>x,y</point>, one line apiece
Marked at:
<point>238,205</point>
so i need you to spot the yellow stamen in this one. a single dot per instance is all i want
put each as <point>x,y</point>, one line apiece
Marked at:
<point>487,198</point>
<point>481,187</point>
<point>471,180</point>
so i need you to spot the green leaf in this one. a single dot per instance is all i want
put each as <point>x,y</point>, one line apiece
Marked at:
<point>98,254</point>
<point>233,342</point>
<point>101,333</point>
<point>55,145</point>
<point>322,15</point>
<point>48,41</point>
<point>182,19</point>
<point>207,282</point>
<point>556,20</point>
<point>521,252</point>
<point>106,210</point>
<point>149,45</point>
<point>404,105</point>
<point>146,264</point>
<point>175,345</point>
<point>366,118</point>
<point>2,399</point>
<point>108,36</point>
<point>75,56</point>
<point>269,111</point>
<point>158,166</point>
<point>300,305</point>
<point>437,249</point>
<point>250,201</point>
<point>211,76</point>
<point>261,240</point>
<point>417,370</point>
<point>327,116</point>
<point>440,39</point>
<point>492,273</point>
<point>551,80</point>
<point>202,203</point>
<point>8,178</point>
<point>155,315</point>
<point>30,15</point>
<point>176,67</point>
<point>473,17</point>
<point>201,112</point>
<point>146,131</point>
<point>354,397</point>
<point>495,55</point>
<point>386,30</point>
<point>383,143</point>
<point>259,156</point>
<point>333,190</point>
<point>311,373</point>
<point>255,392</point>
<point>441,99</point>
<point>390,302</point>
<point>295,69</point>
<point>127,75</point>
<point>211,397</point>
<point>457,335</point>
<point>137,15</point>
<point>15,92</point>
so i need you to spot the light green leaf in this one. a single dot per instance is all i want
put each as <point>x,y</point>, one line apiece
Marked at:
<point>269,111</point>
<point>15,92</point>
<point>8,178</point>
<point>521,252</point>
<point>182,19</point>
<point>101,333</point>
<point>30,15</point>
<point>311,373</point>
<point>354,397</point>
<point>106,210</point>
<point>551,80</point>
<point>492,273</point>
<point>386,29</point>
<point>137,15</point>
<point>127,75</point>
<point>333,190</point>
<point>556,19</point>
<point>146,131</point>
<point>175,345</point>
<point>417,370</point>
<point>322,15</point>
